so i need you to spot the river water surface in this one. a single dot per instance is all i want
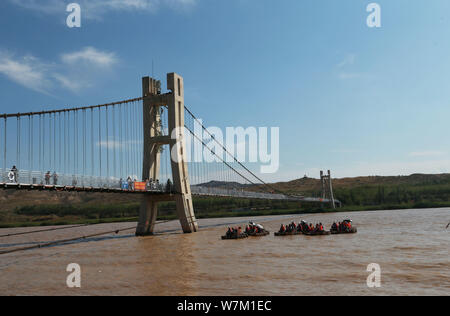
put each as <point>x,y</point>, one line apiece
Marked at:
<point>411,247</point>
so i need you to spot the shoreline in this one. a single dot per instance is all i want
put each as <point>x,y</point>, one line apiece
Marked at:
<point>64,222</point>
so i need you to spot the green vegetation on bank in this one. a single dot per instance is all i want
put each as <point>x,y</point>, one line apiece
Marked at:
<point>368,197</point>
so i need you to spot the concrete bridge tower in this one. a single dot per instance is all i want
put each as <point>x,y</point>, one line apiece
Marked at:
<point>153,140</point>
<point>327,188</point>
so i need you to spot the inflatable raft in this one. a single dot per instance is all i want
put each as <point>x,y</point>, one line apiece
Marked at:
<point>288,233</point>
<point>241,236</point>
<point>354,230</point>
<point>261,234</point>
<point>324,233</point>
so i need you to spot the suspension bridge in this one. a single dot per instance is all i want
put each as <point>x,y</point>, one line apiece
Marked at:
<point>136,146</point>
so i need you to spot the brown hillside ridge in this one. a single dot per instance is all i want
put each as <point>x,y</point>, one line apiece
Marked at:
<point>310,184</point>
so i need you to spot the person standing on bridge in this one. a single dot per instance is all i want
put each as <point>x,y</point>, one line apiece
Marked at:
<point>55,178</point>
<point>15,173</point>
<point>47,178</point>
<point>130,183</point>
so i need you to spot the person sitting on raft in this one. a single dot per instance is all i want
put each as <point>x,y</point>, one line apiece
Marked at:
<point>252,229</point>
<point>232,232</point>
<point>302,227</point>
<point>282,228</point>
<point>334,227</point>
<point>320,228</point>
<point>292,227</point>
<point>258,228</point>
<point>346,226</point>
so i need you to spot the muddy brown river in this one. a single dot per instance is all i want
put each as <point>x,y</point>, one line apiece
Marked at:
<point>410,246</point>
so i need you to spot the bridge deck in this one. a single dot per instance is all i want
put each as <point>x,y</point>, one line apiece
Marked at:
<point>164,195</point>
<point>41,187</point>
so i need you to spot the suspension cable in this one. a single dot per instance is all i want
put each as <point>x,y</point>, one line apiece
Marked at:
<point>72,109</point>
<point>234,158</point>
<point>4,152</point>
<point>212,152</point>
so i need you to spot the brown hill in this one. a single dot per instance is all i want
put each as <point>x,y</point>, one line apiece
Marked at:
<point>309,185</point>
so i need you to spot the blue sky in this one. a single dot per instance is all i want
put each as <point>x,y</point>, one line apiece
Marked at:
<point>357,100</point>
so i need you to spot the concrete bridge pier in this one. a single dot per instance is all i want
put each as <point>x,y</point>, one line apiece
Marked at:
<point>153,140</point>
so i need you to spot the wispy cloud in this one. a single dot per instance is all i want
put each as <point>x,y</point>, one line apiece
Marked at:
<point>27,71</point>
<point>94,9</point>
<point>90,55</point>
<point>74,71</point>
<point>429,153</point>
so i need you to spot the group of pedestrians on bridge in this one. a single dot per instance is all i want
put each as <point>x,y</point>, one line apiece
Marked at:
<point>128,185</point>
<point>49,176</point>
<point>13,177</point>
<point>147,185</point>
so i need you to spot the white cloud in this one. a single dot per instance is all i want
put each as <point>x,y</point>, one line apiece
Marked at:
<point>69,83</point>
<point>92,56</point>
<point>27,71</point>
<point>94,9</point>
<point>75,71</point>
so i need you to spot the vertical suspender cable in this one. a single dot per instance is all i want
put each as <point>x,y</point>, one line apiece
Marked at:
<point>4,152</point>
<point>114,141</point>
<point>135,141</point>
<point>50,138</point>
<point>29,151</point>
<point>100,141</point>
<point>84,147</point>
<point>54,141</point>
<point>121,141</point>
<point>69,147</point>
<point>18,142</point>
<point>59,139</point>
<point>107,146</point>
<point>129,171</point>
<point>65,143</point>
<point>40,146</point>
<point>44,166</point>
<point>92,146</point>
<point>75,145</point>
<point>132,138</point>
<point>125,133</point>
